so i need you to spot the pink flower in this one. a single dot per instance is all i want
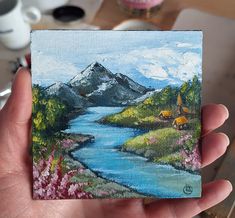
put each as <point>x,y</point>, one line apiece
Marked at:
<point>81,170</point>
<point>67,143</point>
<point>64,181</point>
<point>103,193</point>
<point>192,160</point>
<point>35,172</point>
<point>152,140</point>
<point>52,184</point>
<point>183,139</point>
<point>72,189</point>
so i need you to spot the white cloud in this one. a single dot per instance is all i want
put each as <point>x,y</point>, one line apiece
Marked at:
<point>187,45</point>
<point>166,64</point>
<point>154,72</point>
<point>50,67</point>
<point>162,64</point>
<point>153,55</point>
<point>183,45</point>
<point>189,65</point>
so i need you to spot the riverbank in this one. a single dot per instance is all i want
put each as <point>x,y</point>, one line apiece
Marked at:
<point>98,186</point>
<point>167,146</point>
<point>146,123</point>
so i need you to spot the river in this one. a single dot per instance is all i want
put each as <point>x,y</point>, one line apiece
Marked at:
<point>104,157</point>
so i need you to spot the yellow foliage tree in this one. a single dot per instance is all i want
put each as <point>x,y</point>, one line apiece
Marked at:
<point>149,101</point>
<point>130,112</point>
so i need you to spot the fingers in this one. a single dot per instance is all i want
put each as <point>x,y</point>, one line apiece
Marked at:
<point>213,193</point>
<point>213,116</point>
<point>214,145</point>
<point>18,109</point>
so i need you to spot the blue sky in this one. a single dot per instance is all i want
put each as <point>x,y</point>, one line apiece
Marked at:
<point>152,58</point>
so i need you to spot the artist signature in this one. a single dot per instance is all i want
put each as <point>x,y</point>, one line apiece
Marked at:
<point>188,189</point>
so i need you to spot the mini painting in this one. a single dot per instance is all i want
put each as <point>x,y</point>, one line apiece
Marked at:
<point>116,114</point>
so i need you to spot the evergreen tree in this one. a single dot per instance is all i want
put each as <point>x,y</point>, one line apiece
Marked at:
<point>193,97</point>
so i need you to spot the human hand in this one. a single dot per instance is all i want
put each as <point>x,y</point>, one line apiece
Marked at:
<point>16,170</point>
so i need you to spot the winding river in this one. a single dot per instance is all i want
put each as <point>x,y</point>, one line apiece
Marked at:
<point>103,157</point>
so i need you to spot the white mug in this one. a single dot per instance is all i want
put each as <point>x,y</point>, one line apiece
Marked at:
<point>45,5</point>
<point>15,23</point>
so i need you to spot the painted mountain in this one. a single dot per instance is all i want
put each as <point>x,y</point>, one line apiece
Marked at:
<point>98,86</point>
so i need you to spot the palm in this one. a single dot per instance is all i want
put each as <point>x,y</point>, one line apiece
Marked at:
<point>16,190</point>
<point>15,170</point>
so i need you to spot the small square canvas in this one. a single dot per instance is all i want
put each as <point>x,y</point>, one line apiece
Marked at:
<point>116,114</point>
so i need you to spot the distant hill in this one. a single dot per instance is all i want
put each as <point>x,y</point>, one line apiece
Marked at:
<point>67,95</point>
<point>146,111</point>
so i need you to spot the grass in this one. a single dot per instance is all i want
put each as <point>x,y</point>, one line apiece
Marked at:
<point>161,142</point>
<point>170,159</point>
<point>137,117</point>
<point>167,146</point>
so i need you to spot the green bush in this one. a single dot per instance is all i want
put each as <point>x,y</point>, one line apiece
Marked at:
<point>48,117</point>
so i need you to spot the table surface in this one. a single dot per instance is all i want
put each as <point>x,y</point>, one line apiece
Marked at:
<point>110,15</point>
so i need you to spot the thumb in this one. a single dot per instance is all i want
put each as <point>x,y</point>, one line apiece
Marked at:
<point>15,123</point>
<point>18,108</point>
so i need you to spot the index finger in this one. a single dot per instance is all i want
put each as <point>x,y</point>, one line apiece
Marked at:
<point>213,116</point>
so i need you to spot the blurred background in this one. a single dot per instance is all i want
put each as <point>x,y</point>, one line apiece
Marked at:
<point>215,18</point>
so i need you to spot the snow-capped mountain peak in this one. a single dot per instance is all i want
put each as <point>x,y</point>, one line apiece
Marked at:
<point>94,68</point>
<point>99,86</point>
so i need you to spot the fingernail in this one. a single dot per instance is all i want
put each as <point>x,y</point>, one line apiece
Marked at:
<point>18,70</point>
<point>226,109</point>
<point>13,80</point>
<point>226,138</point>
<point>230,186</point>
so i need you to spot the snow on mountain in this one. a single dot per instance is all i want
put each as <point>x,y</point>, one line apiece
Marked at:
<point>98,86</point>
<point>125,80</point>
<point>143,97</point>
<point>93,71</point>
<point>104,88</point>
<point>67,95</point>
